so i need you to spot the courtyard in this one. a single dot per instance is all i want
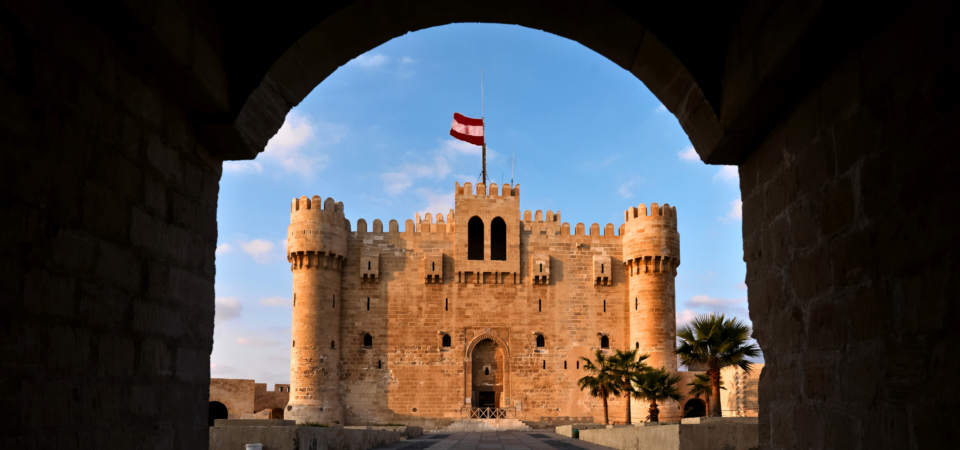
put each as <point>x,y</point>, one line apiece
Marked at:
<point>517,440</point>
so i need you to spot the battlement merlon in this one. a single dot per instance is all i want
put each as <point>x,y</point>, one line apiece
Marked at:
<point>506,193</point>
<point>317,231</point>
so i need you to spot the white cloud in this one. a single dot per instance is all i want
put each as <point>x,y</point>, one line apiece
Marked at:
<point>220,369</point>
<point>398,181</point>
<point>296,146</point>
<point>274,301</point>
<point>240,167</point>
<point>684,317</point>
<point>735,213</point>
<point>259,249</point>
<point>227,308</point>
<point>257,342</point>
<point>689,154</point>
<point>742,286</point>
<point>223,248</point>
<point>705,304</point>
<point>440,203</point>
<point>626,189</point>
<point>706,300</point>
<point>660,109</point>
<point>368,61</point>
<point>729,174</point>
<point>407,60</point>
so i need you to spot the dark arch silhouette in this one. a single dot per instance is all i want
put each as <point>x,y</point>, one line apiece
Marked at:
<point>446,340</point>
<point>216,411</point>
<point>604,342</point>
<point>695,408</point>
<point>367,340</point>
<point>475,239</point>
<point>276,413</point>
<point>498,240</point>
<point>541,342</point>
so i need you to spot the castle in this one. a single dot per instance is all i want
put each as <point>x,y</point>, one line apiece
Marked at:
<point>488,308</point>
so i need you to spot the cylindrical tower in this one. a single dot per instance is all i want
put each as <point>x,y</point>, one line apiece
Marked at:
<point>316,248</point>
<point>651,253</point>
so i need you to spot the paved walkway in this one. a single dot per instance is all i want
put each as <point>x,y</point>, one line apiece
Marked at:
<point>508,440</point>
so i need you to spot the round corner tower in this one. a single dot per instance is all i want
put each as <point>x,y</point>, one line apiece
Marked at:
<point>651,254</point>
<point>316,248</point>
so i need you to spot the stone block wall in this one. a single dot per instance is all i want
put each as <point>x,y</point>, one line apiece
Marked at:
<point>237,395</point>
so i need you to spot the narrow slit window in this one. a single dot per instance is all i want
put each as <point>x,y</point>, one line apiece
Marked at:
<point>334,300</point>
<point>369,264</point>
<point>333,344</point>
<point>433,266</point>
<point>578,364</point>
<point>541,267</point>
<point>636,303</point>
<point>368,303</point>
<point>540,305</point>
<point>379,364</point>
<point>601,268</point>
<point>294,343</point>
<point>637,345</point>
<point>564,365</point>
<point>486,371</point>
<point>604,305</point>
<point>544,364</point>
<point>446,304</point>
<point>294,299</point>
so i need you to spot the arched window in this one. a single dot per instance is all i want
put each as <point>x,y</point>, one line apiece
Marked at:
<point>498,240</point>
<point>541,342</point>
<point>367,341</point>
<point>475,239</point>
<point>217,411</point>
<point>446,340</point>
<point>486,371</point>
<point>333,344</point>
<point>638,345</point>
<point>604,342</point>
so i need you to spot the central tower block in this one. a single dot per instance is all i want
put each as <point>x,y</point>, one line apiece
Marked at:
<point>316,250</point>
<point>651,254</point>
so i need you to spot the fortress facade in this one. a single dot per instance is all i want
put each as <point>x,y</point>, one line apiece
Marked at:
<point>488,307</point>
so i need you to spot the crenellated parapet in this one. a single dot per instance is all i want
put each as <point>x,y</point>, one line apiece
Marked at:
<point>317,235</point>
<point>481,191</point>
<point>651,243</point>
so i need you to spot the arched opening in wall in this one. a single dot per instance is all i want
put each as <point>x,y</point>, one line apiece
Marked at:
<point>367,341</point>
<point>445,342</point>
<point>475,239</point>
<point>475,226</point>
<point>604,342</point>
<point>216,411</point>
<point>487,374</point>
<point>695,408</point>
<point>498,239</point>
<point>541,342</point>
<point>276,413</point>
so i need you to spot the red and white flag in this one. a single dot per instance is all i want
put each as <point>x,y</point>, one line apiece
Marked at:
<point>467,129</point>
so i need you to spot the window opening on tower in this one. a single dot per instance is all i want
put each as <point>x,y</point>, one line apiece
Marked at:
<point>604,342</point>
<point>475,239</point>
<point>333,344</point>
<point>367,341</point>
<point>540,305</point>
<point>445,341</point>
<point>601,268</point>
<point>368,303</point>
<point>498,240</point>
<point>446,304</point>
<point>541,342</point>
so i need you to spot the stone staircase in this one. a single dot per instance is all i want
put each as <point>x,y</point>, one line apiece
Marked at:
<point>486,425</point>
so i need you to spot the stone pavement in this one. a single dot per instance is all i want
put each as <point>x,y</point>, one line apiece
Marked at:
<point>507,440</point>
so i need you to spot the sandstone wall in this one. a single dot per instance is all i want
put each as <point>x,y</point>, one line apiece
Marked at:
<point>237,395</point>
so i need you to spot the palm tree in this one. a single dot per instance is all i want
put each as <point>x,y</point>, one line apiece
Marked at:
<point>626,365</point>
<point>603,382</point>
<point>715,342</point>
<point>702,385</point>
<point>656,385</point>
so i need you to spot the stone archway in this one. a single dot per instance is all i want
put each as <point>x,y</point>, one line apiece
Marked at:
<point>694,408</point>
<point>216,411</point>
<point>487,372</point>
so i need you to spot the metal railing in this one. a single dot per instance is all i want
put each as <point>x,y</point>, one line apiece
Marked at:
<point>488,413</point>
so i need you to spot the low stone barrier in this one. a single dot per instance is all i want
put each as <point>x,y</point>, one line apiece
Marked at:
<point>733,433</point>
<point>285,437</point>
<point>568,430</point>
<point>406,431</point>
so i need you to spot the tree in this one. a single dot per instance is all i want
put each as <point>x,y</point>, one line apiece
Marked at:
<point>603,382</point>
<point>702,385</point>
<point>656,385</point>
<point>626,365</point>
<point>715,342</point>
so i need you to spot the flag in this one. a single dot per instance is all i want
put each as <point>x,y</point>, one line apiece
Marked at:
<point>467,129</point>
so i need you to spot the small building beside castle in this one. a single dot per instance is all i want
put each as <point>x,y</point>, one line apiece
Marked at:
<point>485,308</point>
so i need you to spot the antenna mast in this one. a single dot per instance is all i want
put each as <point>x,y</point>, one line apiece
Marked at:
<point>514,163</point>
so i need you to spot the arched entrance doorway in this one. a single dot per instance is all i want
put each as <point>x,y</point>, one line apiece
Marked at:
<point>276,413</point>
<point>216,411</point>
<point>487,373</point>
<point>695,408</point>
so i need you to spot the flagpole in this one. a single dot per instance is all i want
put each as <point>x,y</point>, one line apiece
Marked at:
<point>484,130</point>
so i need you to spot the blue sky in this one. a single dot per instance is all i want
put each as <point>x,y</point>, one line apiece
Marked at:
<point>591,141</point>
